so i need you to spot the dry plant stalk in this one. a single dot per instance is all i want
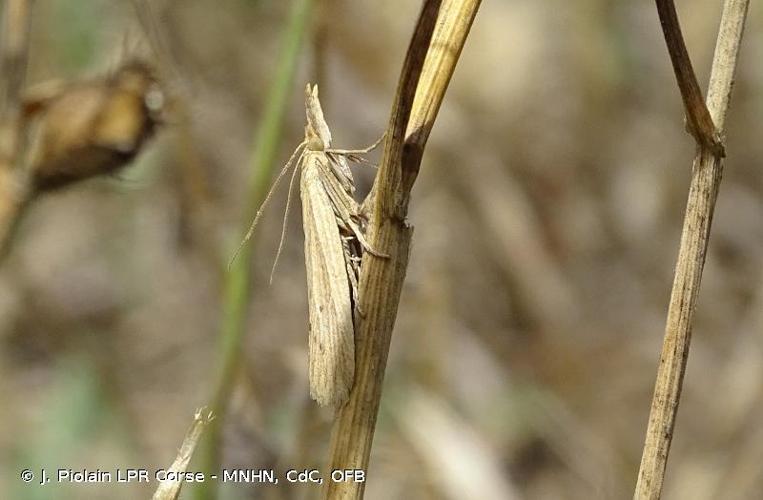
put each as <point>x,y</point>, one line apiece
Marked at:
<point>14,43</point>
<point>170,488</point>
<point>703,191</point>
<point>91,127</point>
<point>699,123</point>
<point>69,132</point>
<point>57,134</point>
<point>434,49</point>
<point>334,243</point>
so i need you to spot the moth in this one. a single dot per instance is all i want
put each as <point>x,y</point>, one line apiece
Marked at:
<point>334,242</point>
<point>91,127</point>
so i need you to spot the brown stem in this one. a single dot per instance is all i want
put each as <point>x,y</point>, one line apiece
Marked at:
<point>16,23</point>
<point>14,191</point>
<point>698,119</point>
<point>432,55</point>
<point>703,191</point>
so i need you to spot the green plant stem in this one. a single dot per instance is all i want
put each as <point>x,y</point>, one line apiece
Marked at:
<point>237,279</point>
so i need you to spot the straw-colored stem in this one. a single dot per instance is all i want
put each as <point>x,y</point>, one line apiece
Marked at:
<point>14,192</point>
<point>170,489</point>
<point>703,191</point>
<point>432,55</point>
<point>698,119</point>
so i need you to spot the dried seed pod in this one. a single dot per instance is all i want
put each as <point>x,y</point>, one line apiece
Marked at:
<point>92,127</point>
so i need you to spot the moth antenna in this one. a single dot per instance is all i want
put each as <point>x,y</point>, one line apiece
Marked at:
<point>249,232</point>
<point>356,152</point>
<point>285,218</point>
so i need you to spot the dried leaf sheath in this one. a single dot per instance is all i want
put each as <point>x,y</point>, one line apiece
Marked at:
<point>332,336</point>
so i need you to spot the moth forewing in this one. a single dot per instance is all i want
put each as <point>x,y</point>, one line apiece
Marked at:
<point>341,171</point>
<point>334,241</point>
<point>332,334</point>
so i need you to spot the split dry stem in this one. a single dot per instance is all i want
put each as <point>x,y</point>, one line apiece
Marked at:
<point>703,192</point>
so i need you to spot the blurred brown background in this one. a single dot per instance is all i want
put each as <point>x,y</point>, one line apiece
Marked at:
<point>548,215</point>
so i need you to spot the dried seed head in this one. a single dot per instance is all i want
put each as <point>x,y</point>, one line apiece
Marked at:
<point>93,127</point>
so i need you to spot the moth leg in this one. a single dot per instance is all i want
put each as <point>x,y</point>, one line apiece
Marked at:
<point>351,220</point>
<point>345,219</point>
<point>352,261</point>
<point>340,169</point>
<point>363,242</point>
<point>353,157</point>
<point>348,152</point>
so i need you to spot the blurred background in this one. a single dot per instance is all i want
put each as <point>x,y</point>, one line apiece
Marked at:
<point>548,214</point>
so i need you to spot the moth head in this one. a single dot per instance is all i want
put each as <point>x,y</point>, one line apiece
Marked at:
<point>314,142</point>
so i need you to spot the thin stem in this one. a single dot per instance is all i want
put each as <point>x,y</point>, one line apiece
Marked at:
<point>15,49</point>
<point>237,279</point>
<point>698,118</point>
<point>14,192</point>
<point>170,489</point>
<point>703,192</point>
